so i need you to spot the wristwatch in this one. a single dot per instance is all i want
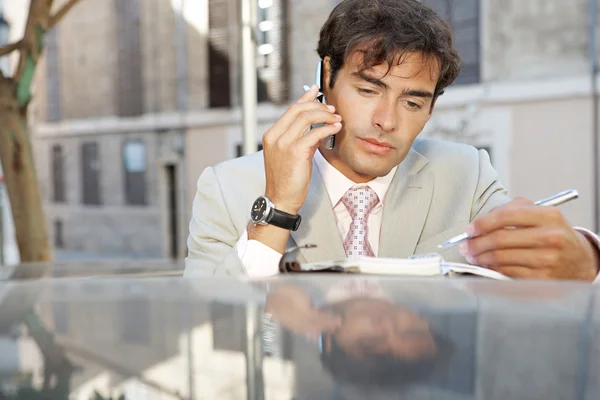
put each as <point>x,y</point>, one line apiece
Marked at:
<point>264,213</point>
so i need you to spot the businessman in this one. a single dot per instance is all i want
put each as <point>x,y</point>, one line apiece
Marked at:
<point>380,191</point>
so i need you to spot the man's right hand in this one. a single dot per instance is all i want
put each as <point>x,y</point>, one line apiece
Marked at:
<point>288,154</point>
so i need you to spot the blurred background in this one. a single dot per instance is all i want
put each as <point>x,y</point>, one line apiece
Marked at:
<point>132,99</point>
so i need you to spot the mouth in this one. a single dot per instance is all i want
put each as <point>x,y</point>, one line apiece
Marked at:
<point>375,146</point>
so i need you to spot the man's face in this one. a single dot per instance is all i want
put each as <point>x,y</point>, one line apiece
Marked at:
<point>383,110</point>
<point>372,326</point>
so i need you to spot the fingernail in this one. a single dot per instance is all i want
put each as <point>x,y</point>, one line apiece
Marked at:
<point>331,108</point>
<point>338,116</point>
<point>337,124</point>
<point>471,260</point>
<point>314,88</point>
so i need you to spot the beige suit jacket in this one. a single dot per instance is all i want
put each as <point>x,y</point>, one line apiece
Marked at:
<point>436,191</point>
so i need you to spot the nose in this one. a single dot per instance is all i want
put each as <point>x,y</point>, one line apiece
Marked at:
<point>384,117</point>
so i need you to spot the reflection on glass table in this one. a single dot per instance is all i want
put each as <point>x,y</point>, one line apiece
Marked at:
<point>310,338</point>
<point>90,269</point>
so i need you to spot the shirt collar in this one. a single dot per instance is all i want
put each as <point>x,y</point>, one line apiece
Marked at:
<point>337,184</point>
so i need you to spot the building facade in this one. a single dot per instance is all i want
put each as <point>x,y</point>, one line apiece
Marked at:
<point>111,171</point>
<point>125,123</point>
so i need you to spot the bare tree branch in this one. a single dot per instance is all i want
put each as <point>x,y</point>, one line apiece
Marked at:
<point>55,19</point>
<point>37,24</point>
<point>9,48</point>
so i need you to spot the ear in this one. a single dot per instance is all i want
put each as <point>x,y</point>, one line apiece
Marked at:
<point>326,75</point>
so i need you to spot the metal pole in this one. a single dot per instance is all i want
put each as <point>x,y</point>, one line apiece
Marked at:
<point>593,55</point>
<point>249,73</point>
<point>254,354</point>
<point>189,327</point>
<point>182,106</point>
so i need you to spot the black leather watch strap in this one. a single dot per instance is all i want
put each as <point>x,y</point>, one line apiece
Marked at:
<point>284,220</point>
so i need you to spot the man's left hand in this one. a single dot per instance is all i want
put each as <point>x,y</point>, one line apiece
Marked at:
<point>522,240</point>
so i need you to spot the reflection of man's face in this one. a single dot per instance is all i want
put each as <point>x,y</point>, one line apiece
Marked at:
<point>372,326</point>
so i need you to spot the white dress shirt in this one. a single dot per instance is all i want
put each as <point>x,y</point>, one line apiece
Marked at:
<point>261,260</point>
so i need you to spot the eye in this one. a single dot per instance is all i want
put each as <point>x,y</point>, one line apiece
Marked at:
<point>413,106</point>
<point>368,92</point>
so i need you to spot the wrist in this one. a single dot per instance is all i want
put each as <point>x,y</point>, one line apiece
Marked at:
<point>283,205</point>
<point>270,235</point>
<point>288,208</point>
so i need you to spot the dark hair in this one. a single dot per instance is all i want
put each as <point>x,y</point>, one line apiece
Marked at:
<point>384,371</point>
<point>384,29</point>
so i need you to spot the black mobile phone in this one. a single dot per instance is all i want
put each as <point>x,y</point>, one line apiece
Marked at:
<point>321,97</point>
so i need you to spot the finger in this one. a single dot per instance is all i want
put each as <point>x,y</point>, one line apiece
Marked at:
<point>309,95</point>
<point>515,216</point>
<point>522,238</point>
<point>531,258</point>
<point>313,138</point>
<point>291,116</point>
<point>305,120</point>
<point>518,202</point>
<point>520,272</point>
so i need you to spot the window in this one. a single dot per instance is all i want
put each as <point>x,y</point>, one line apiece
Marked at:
<point>53,101</point>
<point>463,16</point>
<point>239,149</point>
<point>59,241</point>
<point>91,173</point>
<point>272,51</point>
<point>272,48</point>
<point>218,53</point>
<point>58,174</point>
<point>134,161</point>
<point>228,327</point>
<point>130,93</point>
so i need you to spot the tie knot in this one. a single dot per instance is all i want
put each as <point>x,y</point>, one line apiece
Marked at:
<point>360,202</point>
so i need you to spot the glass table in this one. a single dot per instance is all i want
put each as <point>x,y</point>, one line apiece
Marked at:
<point>147,333</point>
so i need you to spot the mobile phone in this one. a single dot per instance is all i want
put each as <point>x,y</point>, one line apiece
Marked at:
<point>321,97</point>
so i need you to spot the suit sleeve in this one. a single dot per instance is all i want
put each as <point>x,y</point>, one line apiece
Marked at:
<point>489,193</point>
<point>212,235</point>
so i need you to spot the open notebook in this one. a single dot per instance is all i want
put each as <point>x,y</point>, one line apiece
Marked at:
<point>426,265</point>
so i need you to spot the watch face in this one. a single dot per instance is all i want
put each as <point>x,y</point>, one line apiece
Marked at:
<point>259,210</point>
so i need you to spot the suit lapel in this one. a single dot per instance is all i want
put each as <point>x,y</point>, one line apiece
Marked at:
<point>405,207</point>
<point>318,225</point>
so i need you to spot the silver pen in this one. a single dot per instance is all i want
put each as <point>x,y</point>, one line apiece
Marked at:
<point>555,200</point>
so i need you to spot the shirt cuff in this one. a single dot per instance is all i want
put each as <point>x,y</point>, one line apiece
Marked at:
<point>258,259</point>
<point>595,240</point>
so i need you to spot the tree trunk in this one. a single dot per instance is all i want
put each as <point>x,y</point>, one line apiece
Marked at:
<point>21,178</point>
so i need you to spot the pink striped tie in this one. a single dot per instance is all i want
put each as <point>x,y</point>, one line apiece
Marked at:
<point>360,203</point>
